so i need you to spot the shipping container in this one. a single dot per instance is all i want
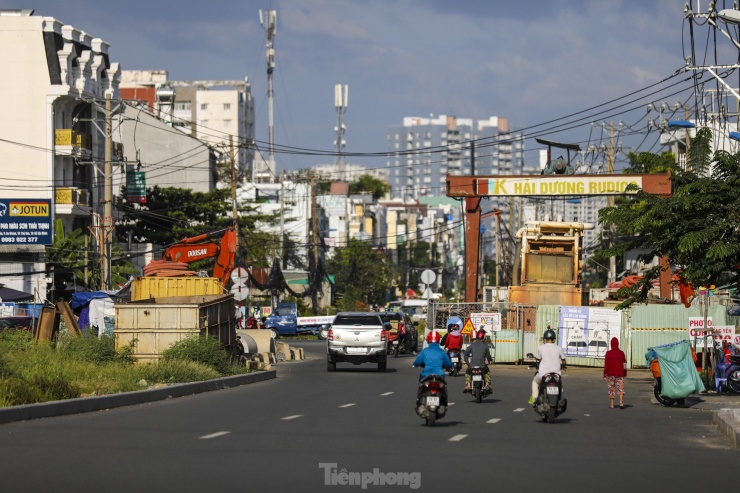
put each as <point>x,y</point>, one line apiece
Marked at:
<point>154,325</point>
<point>153,287</point>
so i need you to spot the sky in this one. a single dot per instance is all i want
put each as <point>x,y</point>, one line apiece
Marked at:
<point>562,71</point>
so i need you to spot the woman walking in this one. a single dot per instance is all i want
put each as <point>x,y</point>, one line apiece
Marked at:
<point>615,369</point>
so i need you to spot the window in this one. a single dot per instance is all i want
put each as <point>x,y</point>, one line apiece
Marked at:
<point>204,106</point>
<point>227,123</point>
<point>182,106</point>
<point>227,106</point>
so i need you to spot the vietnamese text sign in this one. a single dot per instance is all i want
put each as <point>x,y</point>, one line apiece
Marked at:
<point>558,185</point>
<point>490,321</point>
<point>25,222</point>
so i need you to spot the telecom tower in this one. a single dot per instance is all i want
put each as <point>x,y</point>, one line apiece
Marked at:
<point>268,20</point>
<point>340,103</point>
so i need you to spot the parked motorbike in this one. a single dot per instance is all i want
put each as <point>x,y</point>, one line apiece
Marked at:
<point>456,359</point>
<point>730,375</point>
<point>550,402</point>
<point>431,399</point>
<point>477,380</point>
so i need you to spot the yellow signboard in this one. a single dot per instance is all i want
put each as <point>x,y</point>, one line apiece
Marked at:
<point>468,327</point>
<point>558,185</point>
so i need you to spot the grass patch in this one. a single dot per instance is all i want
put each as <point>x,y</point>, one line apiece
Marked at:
<point>75,367</point>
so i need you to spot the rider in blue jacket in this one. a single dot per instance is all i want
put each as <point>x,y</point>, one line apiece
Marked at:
<point>433,358</point>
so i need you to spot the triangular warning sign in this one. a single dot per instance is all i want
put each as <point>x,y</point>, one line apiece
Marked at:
<point>468,327</point>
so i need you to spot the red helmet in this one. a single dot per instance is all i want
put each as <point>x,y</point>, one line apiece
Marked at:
<point>481,334</point>
<point>434,336</point>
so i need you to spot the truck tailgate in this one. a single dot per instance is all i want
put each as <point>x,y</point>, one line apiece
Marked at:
<point>357,336</point>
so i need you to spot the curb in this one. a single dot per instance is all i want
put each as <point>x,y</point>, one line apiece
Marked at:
<point>728,422</point>
<point>99,403</point>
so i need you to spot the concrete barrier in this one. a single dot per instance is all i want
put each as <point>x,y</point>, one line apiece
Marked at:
<point>260,339</point>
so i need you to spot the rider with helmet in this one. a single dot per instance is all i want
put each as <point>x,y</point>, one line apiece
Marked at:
<point>551,357</point>
<point>453,340</point>
<point>433,358</point>
<point>478,354</point>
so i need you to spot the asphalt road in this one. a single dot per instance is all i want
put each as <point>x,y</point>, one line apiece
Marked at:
<point>303,429</point>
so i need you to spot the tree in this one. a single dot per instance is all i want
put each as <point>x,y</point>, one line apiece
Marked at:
<point>361,275</point>
<point>695,229</point>
<point>368,184</point>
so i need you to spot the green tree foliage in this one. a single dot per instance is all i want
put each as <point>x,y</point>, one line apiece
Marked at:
<point>696,228</point>
<point>369,184</point>
<point>68,255</point>
<point>361,275</point>
<point>171,214</point>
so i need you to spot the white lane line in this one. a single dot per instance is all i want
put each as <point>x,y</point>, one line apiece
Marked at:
<point>457,438</point>
<point>214,435</point>
<point>292,417</point>
<point>450,403</point>
<point>348,405</point>
<point>494,420</point>
<point>518,409</point>
<point>387,393</point>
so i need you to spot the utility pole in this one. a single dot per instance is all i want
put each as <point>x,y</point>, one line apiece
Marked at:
<point>314,258</point>
<point>610,203</point>
<point>341,93</point>
<point>281,243</point>
<point>269,22</point>
<point>234,212</point>
<point>107,198</point>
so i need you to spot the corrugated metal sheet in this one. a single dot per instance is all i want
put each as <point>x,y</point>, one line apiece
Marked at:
<point>507,346</point>
<point>653,325</point>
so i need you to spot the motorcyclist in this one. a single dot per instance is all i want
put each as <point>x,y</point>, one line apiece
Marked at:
<point>454,338</point>
<point>551,357</point>
<point>433,358</point>
<point>478,354</point>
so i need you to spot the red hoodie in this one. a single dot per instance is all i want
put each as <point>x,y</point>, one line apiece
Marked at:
<point>615,362</point>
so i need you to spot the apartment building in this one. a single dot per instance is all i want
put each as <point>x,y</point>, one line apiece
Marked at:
<point>52,151</point>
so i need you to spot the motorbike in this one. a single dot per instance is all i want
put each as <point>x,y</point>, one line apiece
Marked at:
<point>477,378</point>
<point>456,359</point>
<point>431,399</point>
<point>550,402</point>
<point>730,375</point>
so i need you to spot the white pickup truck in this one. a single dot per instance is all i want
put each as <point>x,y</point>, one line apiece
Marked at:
<point>357,337</point>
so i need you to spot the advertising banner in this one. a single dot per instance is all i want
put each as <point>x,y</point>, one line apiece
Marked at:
<point>587,331</point>
<point>25,222</point>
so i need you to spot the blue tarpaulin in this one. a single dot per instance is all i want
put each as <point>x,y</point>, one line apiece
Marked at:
<point>83,298</point>
<point>678,375</point>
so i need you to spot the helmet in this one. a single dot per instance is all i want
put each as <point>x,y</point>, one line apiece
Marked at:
<point>433,336</point>
<point>480,334</point>
<point>549,334</point>
<point>452,326</point>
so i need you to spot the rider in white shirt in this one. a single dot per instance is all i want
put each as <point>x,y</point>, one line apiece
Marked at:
<point>551,357</point>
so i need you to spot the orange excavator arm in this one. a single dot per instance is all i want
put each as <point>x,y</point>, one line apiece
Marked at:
<point>205,246</point>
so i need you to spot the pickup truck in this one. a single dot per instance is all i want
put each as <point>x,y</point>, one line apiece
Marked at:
<point>357,337</point>
<point>284,321</point>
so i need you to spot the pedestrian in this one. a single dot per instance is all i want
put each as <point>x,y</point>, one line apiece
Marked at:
<point>615,370</point>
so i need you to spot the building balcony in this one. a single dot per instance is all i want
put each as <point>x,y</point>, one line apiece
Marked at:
<point>72,143</point>
<point>71,196</point>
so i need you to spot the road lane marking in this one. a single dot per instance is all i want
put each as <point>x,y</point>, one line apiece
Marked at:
<point>214,435</point>
<point>292,417</point>
<point>387,393</point>
<point>518,409</point>
<point>457,438</point>
<point>494,420</point>
<point>348,405</point>
<point>450,403</point>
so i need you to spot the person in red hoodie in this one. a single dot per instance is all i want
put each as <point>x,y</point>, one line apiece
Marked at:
<point>615,370</point>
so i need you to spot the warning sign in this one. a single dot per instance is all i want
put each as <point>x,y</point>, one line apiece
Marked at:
<point>468,327</point>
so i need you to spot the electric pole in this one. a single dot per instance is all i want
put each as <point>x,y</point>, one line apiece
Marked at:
<point>314,273</point>
<point>234,212</point>
<point>107,198</point>
<point>610,203</point>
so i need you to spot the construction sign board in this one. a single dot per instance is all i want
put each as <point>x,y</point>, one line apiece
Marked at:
<point>468,327</point>
<point>491,322</point>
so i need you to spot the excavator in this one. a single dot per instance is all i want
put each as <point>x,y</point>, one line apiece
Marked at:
<point>176,258</point>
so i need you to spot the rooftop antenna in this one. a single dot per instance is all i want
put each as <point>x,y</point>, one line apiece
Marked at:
<point>268,20</point>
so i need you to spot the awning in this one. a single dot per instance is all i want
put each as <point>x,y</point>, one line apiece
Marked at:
<point>13,295</point>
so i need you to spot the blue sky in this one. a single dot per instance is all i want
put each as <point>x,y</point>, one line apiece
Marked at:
<point>532,62</point>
